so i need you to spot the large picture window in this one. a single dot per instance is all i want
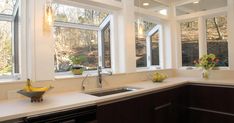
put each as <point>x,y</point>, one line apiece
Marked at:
<point>189,42</point>
<point>9,37</point>
<point>76,33</point>
<point>216,37</point>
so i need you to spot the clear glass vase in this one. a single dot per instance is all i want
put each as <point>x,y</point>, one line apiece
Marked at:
<point>205,74</point>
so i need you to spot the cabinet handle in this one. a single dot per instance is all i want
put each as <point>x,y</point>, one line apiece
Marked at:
<point>162,106</point>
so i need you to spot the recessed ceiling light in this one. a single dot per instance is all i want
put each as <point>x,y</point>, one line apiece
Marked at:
<point>196,2</point>
<point>145,4</point>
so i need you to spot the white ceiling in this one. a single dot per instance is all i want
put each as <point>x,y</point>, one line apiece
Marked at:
<point>201,6</point>
<point>154,5</point>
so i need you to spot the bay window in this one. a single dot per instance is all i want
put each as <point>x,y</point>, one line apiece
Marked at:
<point>148,45</point>
<point>78,32</point>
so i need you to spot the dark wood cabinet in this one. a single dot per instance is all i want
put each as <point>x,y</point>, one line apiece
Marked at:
<point>134,110</point>
<point>210,103</point>
<point>157,107</point>
<point>80,115</point>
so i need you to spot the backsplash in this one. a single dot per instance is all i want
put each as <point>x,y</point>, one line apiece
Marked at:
<point>8,90</point>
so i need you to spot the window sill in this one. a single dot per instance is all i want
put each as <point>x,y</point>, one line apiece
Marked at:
<point>69,75</point>
<point>196,68</point>
<point>152,68</point>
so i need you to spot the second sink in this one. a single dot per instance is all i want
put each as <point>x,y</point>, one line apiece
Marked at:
<point>112,91</point>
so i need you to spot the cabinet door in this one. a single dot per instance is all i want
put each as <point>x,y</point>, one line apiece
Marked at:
<point>211,103</point>
<point>135,110</point>
<point>162,102</point>
<point>163,113</point>
<point>170,106</point>
<point>119,112</point>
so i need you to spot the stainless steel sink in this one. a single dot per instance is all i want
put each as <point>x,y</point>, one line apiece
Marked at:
<point>101,93</point>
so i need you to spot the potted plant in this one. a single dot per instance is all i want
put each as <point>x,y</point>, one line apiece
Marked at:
<point>206,62</point>
<point>77,67</point>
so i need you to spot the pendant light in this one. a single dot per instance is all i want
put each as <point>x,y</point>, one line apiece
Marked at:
<point>140,24</point>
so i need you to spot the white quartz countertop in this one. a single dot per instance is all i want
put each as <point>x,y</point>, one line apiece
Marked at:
<point>12,109</point>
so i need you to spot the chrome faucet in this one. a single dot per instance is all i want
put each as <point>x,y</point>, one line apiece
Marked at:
<point>100,73</point>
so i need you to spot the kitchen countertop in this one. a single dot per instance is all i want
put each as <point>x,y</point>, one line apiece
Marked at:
<point>13,109</point>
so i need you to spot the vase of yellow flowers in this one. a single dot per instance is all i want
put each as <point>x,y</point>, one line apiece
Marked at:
<point>207,63</point>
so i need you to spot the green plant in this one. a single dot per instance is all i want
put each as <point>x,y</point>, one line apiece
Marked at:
<point>77,60</point>
<point>207,62</point>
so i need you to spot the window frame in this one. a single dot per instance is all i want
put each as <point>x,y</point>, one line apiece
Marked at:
<point>11,18</point>
<point>158,28</point>
<point>149,66</point>
<point>201,17</point>
<point>99,29</point>
<point>103,26</point>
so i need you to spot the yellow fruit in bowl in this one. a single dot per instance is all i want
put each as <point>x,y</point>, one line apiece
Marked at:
<point>158,77</point>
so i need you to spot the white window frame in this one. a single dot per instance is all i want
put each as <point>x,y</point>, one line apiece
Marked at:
<point>99,29</point>
<point>100,43</point>
<point>179,43</point>
<point>149,66</point>
<point>22,55</point>
<point>149,50</point>
<point>201,17</point>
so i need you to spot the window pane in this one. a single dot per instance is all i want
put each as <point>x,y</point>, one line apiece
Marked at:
<point>78,42</point>
<point>141,60</point>
<point>189,41</point>
<point>72,14</point>
<point>106,46</point>
<point>217,38</point>
<point>5,48</point>
<point>7,6</point>
<point>154,39</point>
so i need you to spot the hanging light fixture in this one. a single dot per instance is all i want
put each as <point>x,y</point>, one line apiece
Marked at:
<point>140,24</point>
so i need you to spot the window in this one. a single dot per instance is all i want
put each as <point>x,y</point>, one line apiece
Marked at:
<point>154,48</point>
<point>76,32</point>
<point>216,37</point>
<point>106,46</point>
<point>8,37</point>
<point>189,42</point>
<point>147,45</point>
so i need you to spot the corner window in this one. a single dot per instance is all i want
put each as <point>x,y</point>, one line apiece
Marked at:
<point>216,37</point>
<point>77,32</point>
<point>189,42</point>
<point>147,45</point>
<point>9,63</point>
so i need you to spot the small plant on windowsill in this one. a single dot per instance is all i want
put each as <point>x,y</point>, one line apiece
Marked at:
<point>77,61</point>
<point>207,63</point>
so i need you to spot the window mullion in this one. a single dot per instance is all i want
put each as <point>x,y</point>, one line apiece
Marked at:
<point>148,51</point>
<point>74,25</point>
<point>202,36</point>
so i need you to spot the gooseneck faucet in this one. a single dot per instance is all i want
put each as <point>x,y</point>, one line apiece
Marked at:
<point>100,73</point>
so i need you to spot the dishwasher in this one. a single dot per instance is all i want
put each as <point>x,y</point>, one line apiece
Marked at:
<point>80,115</point>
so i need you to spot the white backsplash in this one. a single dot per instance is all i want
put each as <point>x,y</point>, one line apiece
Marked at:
<point>8,90</point>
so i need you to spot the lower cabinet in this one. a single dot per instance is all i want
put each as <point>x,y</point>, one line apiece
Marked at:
<point>158,107</point>
<point>81,115</point>
<point>195,103</point>
<point>210,104</point>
